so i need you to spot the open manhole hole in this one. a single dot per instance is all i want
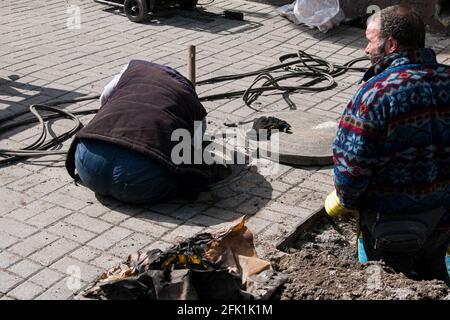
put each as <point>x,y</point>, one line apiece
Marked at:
<point>230,162</point>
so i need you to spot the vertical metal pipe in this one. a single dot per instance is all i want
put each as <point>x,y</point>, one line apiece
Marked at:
<point>191,64</point>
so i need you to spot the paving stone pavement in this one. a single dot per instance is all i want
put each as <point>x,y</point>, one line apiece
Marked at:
<point>56,237</point>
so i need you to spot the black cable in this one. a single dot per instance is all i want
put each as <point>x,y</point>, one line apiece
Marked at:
<point>39,147</point>
<point>297,65</point>
<point>301,65</point>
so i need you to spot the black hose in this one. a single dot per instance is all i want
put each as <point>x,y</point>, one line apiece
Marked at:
<point>39,147</point>
<point>294,65</point>
<point>298,65</point>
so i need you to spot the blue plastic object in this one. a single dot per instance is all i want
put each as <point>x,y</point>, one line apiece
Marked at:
<point>362,256</point>
<point>447,262</point>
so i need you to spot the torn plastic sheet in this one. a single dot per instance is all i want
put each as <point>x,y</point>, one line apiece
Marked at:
<point>222,265</point>
<point>321,14</point>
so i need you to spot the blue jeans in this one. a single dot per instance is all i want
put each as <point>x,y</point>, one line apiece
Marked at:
<point>131,177</point>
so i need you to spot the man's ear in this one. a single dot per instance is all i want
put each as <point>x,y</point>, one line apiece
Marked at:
<point>391,45</point>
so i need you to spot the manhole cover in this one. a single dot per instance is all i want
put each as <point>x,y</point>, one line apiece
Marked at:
<point>309,143</point>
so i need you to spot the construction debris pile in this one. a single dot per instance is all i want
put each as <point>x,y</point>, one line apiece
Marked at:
<point>209,266</point>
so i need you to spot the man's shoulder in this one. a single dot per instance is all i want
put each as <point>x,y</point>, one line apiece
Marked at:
<point>402,74</point>
<point>398,79</point>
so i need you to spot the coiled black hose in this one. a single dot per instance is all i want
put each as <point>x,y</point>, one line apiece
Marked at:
<point>297,65</point>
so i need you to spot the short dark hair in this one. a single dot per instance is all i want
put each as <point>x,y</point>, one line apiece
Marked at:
<point>404,24</point>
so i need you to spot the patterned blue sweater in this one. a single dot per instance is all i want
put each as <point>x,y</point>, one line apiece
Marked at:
<point>392,149</point>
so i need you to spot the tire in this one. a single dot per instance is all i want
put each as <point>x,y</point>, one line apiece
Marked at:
<point>136,10</point>
<point>188,4</point>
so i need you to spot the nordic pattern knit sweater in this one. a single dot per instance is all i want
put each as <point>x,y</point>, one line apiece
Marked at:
<point>392,149</point>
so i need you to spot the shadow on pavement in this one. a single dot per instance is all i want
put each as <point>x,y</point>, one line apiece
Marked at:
<point>16,97</point>
<point>244,192</point>
<point>199,19</point>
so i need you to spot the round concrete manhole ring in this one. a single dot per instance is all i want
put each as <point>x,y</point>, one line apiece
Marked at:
<point>309,144</point>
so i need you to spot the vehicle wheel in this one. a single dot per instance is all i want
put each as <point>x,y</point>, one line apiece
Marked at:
<point>188,4</point>
<point>136,10</point>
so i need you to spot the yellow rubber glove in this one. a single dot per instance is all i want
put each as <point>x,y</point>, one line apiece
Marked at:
<point>334,208</point>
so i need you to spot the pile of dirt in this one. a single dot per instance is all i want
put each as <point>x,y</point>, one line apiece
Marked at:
<point>323,265</point>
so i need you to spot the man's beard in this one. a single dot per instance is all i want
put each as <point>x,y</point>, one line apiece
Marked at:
<point>375,58</point>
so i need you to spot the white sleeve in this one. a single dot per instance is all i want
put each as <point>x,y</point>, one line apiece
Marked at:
<point>109,88</point>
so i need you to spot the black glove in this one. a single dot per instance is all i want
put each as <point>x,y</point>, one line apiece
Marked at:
<point>267,123</point>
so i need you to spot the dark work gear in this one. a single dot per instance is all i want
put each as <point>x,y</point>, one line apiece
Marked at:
<point>263,126</point>
<point>148,104</point>
<point>413,244</point>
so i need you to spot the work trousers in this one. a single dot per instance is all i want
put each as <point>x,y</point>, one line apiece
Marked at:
<point>124,174</point>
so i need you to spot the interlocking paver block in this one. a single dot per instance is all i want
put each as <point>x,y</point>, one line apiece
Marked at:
<point>26,291</point>
<point>46,277</point>
<point>27,182</point>
<point>69,265</point>
<point>292,210</point>
<point>16,228</point>
<point>65,200</point>
<point>295,177</point>
<point>233,202</point>
<point>205,220</point>
<point>61,290</point>
<point>54,251</point>
<point>314,185</point>
<point>130,244</point>
<point>88,223</point>
<point>163,220</point>
<point>13,174</point>
<point>109,238</point>
<point>252,205</point>
<point>49,216</point>
<point>188,211</point>
<point>86,253</point>
<point>11,200</point>
<point>8,281</point>
<point>25,268</point>
<point>114,217</point>
<point>33,243</point>
<point>71,232</point>
<point>182,232</point>
<point>95,210</point>
<point>7,240</point>
<point>222,214</point>
<point>256,225</point>
<point>7,259</point>
<point>106,261</point>
<point>21,214</point>
<point>147,227</point>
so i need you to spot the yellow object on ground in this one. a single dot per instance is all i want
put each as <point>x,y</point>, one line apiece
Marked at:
<point>334,208</point>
